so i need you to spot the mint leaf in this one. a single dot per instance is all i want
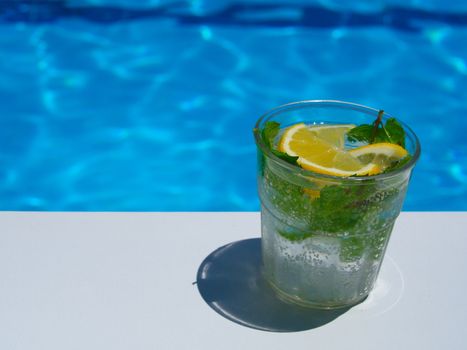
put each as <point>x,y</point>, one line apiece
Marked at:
<point>285,156</point>
<point>295,236</point>
<point>361,133</point>
<point>363,212</point>
<point>382,135</point>
<point>288,198</point>
<point>339,208</point>
<point>268,134</point>
<point>399,164</point>
<point>391,132</point>
<point>395,131</point>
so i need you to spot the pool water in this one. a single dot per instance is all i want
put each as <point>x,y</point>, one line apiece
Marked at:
<point>109,105</point>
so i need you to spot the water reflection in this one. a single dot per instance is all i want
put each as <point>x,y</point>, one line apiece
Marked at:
<point>235,14</point>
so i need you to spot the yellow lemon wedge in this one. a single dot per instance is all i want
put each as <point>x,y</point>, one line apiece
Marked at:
<point>319,155</point>
<point>332,133</point>
<point>382,154</point>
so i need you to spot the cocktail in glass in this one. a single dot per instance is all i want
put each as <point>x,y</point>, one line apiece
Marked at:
<point>324,236</point>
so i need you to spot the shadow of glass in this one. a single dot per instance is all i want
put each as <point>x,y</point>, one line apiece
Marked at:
<point>231,282</point>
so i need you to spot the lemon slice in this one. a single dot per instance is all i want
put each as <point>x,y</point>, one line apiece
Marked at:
<point>381,154</point>
<point>319,155</point>
<point>334,134</point>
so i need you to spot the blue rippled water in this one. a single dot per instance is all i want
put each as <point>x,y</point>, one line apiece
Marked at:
<point>109,105</point>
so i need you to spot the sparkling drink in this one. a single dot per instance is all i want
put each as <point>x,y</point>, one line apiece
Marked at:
<point>324,236</point>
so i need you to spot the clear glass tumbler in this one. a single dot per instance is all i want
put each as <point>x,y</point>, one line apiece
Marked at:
<point>324,237</point>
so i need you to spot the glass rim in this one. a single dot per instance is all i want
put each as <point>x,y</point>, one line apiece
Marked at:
<point>309,173</point>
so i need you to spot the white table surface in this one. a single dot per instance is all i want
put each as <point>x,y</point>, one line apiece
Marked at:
<point>124,281</point>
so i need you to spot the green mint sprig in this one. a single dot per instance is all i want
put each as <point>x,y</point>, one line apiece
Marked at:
<point>391,132</point>
<point>268,134</point>
<point>399,164</point>
<point>339,208</point>
<point>295,236</point>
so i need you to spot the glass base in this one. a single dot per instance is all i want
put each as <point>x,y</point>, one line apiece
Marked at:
<point>313,305</point>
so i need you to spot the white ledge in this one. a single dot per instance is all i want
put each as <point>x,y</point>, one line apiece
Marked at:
<point>124,281</point>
